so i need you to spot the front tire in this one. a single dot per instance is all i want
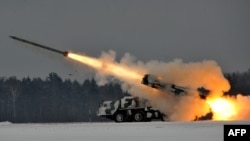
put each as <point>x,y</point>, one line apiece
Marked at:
<point>119,117</point>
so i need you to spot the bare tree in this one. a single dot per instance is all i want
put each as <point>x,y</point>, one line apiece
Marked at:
<point>14,89</point>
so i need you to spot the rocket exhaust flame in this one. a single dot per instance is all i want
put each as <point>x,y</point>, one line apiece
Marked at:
<point>222,108</point>
<point>106,67</point>
<point>194,75</point>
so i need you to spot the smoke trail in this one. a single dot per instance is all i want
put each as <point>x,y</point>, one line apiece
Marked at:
<point>129,71</point>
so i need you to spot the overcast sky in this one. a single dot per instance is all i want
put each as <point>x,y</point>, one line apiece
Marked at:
<point>193,30</point>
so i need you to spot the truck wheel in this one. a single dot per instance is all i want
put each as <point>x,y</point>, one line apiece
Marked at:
<point>139,116</point>
<point>119,117</point>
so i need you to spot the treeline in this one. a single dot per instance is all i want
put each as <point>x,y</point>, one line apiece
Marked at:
<point>57,100</point>
<point>53,99</point>
<point>240,83</point>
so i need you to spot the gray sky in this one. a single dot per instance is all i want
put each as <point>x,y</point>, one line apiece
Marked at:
<point>193,30</point>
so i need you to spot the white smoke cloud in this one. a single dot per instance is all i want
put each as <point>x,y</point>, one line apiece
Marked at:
<point>191,75</point>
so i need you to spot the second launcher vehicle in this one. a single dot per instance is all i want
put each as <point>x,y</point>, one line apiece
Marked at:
<point>154,82</point>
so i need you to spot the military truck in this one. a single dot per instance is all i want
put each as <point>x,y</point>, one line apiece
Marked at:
<point>129,109</point>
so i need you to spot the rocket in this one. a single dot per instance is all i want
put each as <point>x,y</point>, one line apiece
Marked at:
<point>64,53</point>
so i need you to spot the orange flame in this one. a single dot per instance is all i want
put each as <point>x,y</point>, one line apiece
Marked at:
<point>222,108</point>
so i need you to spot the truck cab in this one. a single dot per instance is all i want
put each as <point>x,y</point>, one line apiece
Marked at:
<point>128,109</point>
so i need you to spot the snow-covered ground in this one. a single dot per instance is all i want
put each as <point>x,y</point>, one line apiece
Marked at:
<point>149,131</point>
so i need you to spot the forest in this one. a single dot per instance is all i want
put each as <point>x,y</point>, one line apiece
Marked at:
<point>56,100</point>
